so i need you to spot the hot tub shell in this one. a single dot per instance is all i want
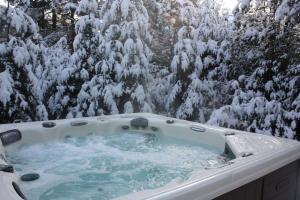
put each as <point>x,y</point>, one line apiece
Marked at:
<point>264,167</point>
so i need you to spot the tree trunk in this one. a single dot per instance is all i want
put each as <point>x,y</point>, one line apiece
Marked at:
<point>71,31</point>
<point>54,19</point>
<point>8,25</point>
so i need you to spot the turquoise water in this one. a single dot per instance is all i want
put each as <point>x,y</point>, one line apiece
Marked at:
<point>105,167</point>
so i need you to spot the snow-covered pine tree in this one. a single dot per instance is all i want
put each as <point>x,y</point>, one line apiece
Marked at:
<point>266,94</point>
<point>84,83</point>
<point>183,66</point>
<point>198,52</point>
<point>164,31</point>
<point>288,13</point>
<point>70,11</point>
<point>20,97</point>
<point>125,28</point>
<point>55,77</point>
<point>212,38</point>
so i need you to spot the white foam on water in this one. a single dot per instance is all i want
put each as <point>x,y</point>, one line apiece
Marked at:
<point>105,167</point>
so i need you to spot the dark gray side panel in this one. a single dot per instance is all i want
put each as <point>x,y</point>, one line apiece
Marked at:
<point>251,191</point>
<point>282,184</point>
<point>298,183</point>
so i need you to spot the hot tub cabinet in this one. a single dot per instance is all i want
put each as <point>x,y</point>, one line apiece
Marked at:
<point>262,167</point>
<point>281,184</point>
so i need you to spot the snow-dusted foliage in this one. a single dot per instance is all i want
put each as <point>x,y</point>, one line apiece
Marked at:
<point>28,70</point>
<point>266,64</point>
<point>87,81</point>
<point>126,55</point>
<point>55,79</point>
<point>17,59</point>
<point>32,80</point>
<point>197,54</point>
<point>16,22</point>
<point>183,58</point>
<point>21,85</point>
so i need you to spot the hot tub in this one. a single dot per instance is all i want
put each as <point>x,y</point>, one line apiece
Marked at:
<point>250,166</point>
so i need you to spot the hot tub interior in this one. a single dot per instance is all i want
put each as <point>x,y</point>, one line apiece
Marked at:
<point>144,156</point>
<point>102,166</point>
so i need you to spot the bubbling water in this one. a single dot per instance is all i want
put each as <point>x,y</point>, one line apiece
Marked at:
<point>102,167</point>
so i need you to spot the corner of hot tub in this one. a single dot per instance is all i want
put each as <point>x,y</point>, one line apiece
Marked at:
<point>9,189</point>
<point>244,144</point>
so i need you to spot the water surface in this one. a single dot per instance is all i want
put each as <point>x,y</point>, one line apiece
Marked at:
<point>104,167</point>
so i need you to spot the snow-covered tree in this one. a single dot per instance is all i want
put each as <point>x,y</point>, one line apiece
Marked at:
<point>19,93</point>
<point>34,75</point>
<point>163,29</point>
<point>84,81</point>
<point>126,54</point>
<point>198,53</point>
<point>191,65</point>
<point>55,79</point>
<point>15,22</point>
<point>266,65</point>
<point>70,11</point>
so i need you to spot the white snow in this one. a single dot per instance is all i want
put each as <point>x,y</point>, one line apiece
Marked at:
<point>6,90</point>
<point>3,3</point>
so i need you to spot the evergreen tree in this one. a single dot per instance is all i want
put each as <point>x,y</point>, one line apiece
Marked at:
<point>19,90</point>
<point>266,91</point>
<point>125,28</point>
<point>55,77</point>
<point>70,11</point>
<point>164,30</point>
<point>198,53</point>
<point>84,89</point>
<point>197,64</point>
